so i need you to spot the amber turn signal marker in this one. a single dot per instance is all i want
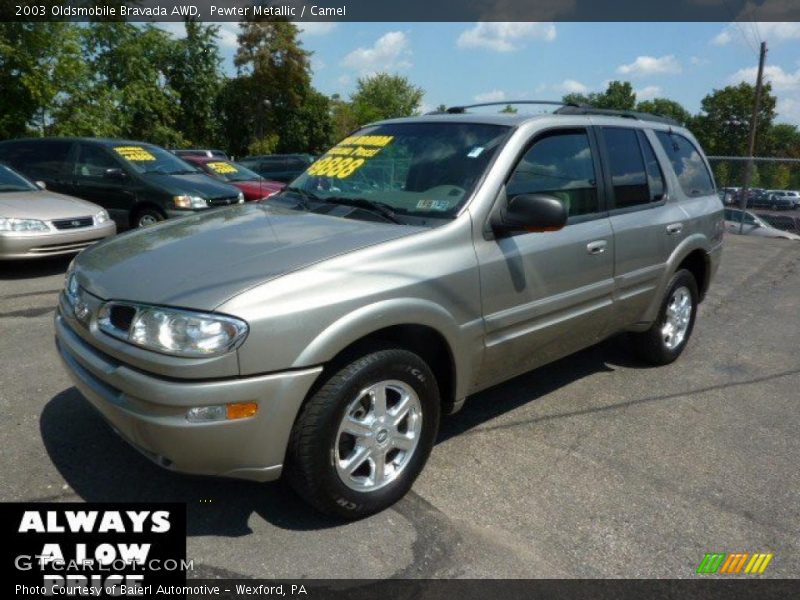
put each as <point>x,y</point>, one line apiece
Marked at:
<point>240,410</point>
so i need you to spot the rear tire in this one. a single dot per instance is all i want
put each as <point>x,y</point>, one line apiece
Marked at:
<point>667,337</point>
<point>350,458</point>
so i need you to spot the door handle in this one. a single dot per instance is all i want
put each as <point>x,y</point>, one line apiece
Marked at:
<point>674,228</point>
<point>597,247</point>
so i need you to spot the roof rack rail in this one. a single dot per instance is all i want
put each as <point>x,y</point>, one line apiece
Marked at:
<point>574,109</point>
<point>462,109</point>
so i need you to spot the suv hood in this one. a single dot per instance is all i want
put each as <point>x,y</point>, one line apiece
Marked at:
<point>200,261</point>
<point>193,184</point>
<point>44,205</point>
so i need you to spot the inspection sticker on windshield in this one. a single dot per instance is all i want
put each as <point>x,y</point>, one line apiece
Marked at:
<point>475,152</point>
<point>222,167</point>
<point>349,155</point>
<point>433,205</point>
<point>134,153</point>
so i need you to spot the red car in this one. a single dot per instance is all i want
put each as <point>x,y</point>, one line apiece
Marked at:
<point>251,183</point>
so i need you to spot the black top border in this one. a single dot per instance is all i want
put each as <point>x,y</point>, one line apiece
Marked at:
<point>406,11</point>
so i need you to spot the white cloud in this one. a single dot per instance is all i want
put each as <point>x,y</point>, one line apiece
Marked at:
<point>493,96</point>
<point>788,110</point>
<point>781,80</point>
<point>648,93</point>
<point>390,52</point>
<point>698,61</point>
<point>505,37</point>
<point>650,65</point>
<point>315,27</point>
<point>227,35</point>
<point>571,86</point>
<point>723,38</point>
<point>751,32</point>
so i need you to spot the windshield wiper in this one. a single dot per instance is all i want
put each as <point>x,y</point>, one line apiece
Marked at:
<point>304,195</point>
<point>375,206</point>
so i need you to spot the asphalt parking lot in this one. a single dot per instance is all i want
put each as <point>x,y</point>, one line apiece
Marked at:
<point>592,467</point>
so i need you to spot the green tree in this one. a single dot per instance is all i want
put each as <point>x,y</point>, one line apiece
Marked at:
<point>129,67</point>
<point>276,86</point>
<point>724,123</point>
<point>40,63</point>
<point>384,96</point>
<point>194,74</point>
<point>665,108</point>
<point>343,117</point>
<point>509,109</point>
<point>619,95</point>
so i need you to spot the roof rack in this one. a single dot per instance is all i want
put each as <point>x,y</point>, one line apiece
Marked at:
<point>574,109</point>
<point>462,109</point>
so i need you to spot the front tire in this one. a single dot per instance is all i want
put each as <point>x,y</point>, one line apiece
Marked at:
<point>363,437</point>
<point>147,216</point>
<point>667,337</point>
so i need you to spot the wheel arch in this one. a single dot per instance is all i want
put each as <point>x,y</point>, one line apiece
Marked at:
<point>420,326</point>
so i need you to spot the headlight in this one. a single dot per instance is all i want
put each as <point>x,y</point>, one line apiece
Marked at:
<point>240,197</point>
<point>170,330</point>
<point>101,217</point>
<point>22,225</point>
<point>71,287</point>
<point>189,202</point>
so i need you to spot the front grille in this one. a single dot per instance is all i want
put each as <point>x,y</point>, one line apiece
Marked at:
<point>73,223</point>
<point>223,201</point>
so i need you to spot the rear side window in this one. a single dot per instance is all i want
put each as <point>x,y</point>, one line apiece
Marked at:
<point>40,159</point>
<point>93,162</point>
<point>693,175</point>
<point>561,165</point>
<point>626,164</point>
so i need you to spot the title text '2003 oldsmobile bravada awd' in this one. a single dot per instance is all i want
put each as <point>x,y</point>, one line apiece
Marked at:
<point>323,334</point>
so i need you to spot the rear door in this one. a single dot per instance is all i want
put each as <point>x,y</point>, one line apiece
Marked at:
<point>43,160</point>
<point>546,295</point>
<point>646,221</point>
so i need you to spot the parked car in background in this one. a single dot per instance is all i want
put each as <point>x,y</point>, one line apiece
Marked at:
<point>763,199</point>
<point>139,184</point>
<point>278,167</point>
<point>208,153</point>
<point>252,185</point>
<point>35,222</point>
<point>788,223</point>
<point>790,195</point>
<point>323,334</point>
<point>753,225</point>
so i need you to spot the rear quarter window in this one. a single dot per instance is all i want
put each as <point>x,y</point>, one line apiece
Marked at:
<point>690,168</point>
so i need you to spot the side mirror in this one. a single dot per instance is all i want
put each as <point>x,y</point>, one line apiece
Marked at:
<point>41,185</point>
<point>530,212</point>
<point>115,174</point>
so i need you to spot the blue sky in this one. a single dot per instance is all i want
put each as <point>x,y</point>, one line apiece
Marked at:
<point>457,63</point>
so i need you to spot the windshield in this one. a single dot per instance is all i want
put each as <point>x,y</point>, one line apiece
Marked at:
<point>11,181</point>
<point>418,169</point>
<point>145,158</point>
<point>230,171</point>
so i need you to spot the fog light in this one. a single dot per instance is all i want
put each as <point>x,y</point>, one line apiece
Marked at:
<point>206,414</point>
<point>221,412</point>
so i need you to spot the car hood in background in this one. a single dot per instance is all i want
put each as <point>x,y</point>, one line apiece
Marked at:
<point>203,260</point>
<point>44,205</point>
<point>257,189</point>
<point>193,184</point>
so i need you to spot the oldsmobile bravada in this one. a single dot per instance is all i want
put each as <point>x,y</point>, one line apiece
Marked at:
<point>323,334</point>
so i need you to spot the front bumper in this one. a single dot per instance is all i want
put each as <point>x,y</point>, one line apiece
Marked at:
<point>52,243</point>
<point>150,412</point>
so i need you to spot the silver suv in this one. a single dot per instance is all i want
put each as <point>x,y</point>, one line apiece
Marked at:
<point>323,333</point>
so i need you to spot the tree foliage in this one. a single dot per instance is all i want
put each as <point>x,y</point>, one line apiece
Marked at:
<point>385,96</point>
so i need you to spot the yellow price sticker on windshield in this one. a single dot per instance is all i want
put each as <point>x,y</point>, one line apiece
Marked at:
<point>222,167</point>
<point>134,153</point>
<point>349,155</point>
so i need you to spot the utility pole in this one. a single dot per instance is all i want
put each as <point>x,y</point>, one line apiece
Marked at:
<point>748,170</point>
